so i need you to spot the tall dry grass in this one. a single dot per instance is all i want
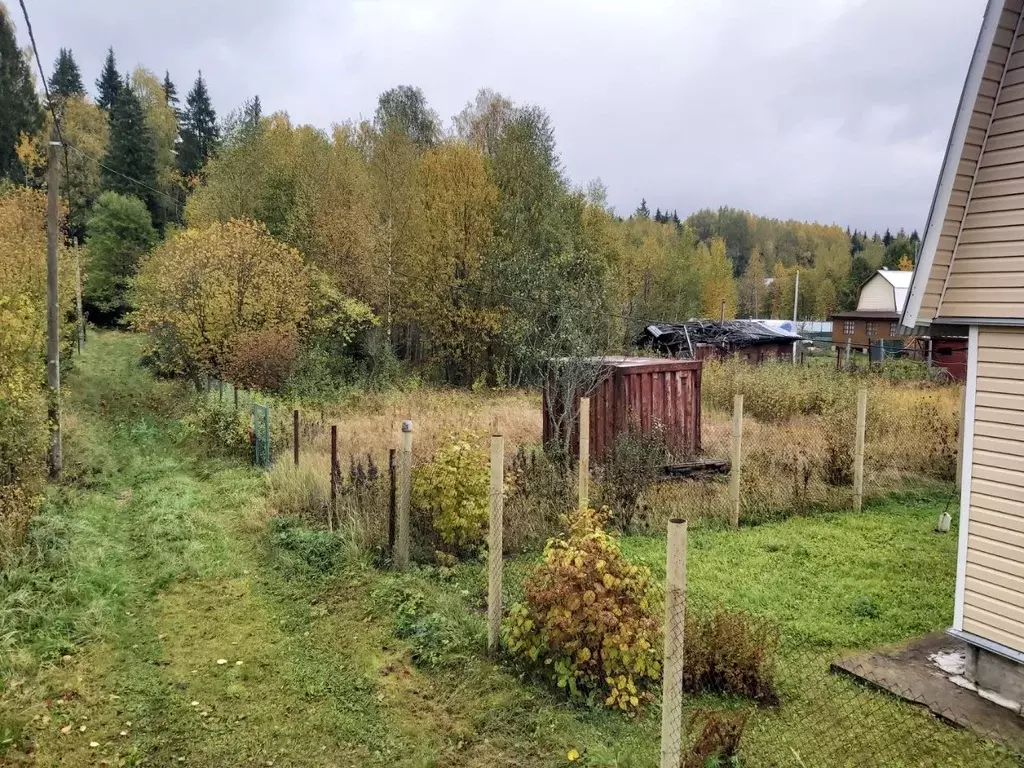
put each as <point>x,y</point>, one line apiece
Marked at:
<point>798,439</point>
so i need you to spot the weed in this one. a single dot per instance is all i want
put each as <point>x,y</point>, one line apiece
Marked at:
<point>731,653</point>
<point>306,548</point>
<point>718,743</point>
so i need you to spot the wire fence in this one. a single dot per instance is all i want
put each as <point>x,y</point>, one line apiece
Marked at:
<point>788,703</point>
<point>807,462</point>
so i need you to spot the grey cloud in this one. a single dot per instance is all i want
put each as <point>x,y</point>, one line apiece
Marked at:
<point>833,110</point>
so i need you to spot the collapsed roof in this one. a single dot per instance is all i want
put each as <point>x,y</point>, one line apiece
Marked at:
<point>682,339</point>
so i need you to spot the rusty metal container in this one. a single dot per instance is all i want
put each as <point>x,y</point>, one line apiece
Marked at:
<point>645,394</point>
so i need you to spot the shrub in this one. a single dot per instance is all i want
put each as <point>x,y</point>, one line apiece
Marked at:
<point>23,419</point>
<point>438,637</point>
<point>588,620</point>
<point>218,427</point>
<point>636,462</point>
<point>718,744</point>
<point>731,653</point>
<point>454,488</point>
<point>538,490</point>
<point>305,548</point>
<point>262,359</point>
<point>202,287</point>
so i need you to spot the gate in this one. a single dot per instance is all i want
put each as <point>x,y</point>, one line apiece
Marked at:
<point>261,435</point>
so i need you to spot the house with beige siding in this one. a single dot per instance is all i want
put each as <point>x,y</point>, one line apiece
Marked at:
<point>970,279</point>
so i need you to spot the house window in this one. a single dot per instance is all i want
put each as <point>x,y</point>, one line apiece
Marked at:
<point>894,329</point>
<point>872,328</point>
<point>849,327</point>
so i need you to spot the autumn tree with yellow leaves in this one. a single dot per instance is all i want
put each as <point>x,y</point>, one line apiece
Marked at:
<point>203,287</point>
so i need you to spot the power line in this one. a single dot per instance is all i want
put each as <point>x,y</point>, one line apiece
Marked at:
<point>49,102</point>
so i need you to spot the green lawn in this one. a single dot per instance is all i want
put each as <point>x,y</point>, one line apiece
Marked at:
<point>156,562</point>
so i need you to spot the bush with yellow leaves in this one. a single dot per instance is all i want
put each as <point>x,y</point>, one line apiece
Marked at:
<point>589,620</point>
<point>454,489</point>
<point>23,425</point>
<point>203,287</point>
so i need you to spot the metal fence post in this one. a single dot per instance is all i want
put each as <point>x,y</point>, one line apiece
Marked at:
<point>404,498</point>
<point>334,476</point>
<point>858,450</point>
<point>584,462</point>
<point>737,456</point>
<point>495,562</point>
<point>295,436</point>
<point>675,624</point>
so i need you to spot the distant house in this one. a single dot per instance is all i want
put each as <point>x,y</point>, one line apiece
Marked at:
<point>970,280</point>
<point>756,341</point>
<point>880,304</point>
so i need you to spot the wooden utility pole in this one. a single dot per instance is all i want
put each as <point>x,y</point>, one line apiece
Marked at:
<point>52,300</point>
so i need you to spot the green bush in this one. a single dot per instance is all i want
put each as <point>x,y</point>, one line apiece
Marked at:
<point>315,550</point>
<point>588,621</point>
<point>454,488</point>
<point>218,427</point>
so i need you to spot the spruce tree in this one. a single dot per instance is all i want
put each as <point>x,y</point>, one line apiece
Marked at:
<point>170,91</point>
<point>130,162</point>
<point>20,111</point>
<point>199,132</point>
<point>109,84</point>
<point>66,80</point>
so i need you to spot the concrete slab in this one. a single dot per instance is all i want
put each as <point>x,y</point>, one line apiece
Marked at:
<point>912,671</point>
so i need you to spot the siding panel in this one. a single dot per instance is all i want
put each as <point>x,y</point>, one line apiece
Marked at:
<point>993,597</point>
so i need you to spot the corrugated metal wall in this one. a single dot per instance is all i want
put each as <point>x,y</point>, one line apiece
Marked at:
<point>642,394</point>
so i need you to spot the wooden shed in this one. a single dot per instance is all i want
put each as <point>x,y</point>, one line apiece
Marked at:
<point>642,393</point>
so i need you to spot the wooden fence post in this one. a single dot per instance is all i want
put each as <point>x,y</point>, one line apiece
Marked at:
<point>234,389</point>
<point>858,450</point>
<point>584,462</point>
<point>334,476</point>
<point>392,488</point>
<point>295,436</point>
<point>672,670</point>
<point>495,544</point>
<point>737,459</point>
<point>404,498</point>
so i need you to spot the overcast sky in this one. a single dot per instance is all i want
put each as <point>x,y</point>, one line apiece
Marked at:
<point>827,110</point>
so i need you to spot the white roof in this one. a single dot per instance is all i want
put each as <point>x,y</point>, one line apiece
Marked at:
<point>900,282</point>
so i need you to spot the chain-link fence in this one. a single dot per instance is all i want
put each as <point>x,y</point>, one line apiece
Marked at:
<point>755,692</point>
<point>799,440</point>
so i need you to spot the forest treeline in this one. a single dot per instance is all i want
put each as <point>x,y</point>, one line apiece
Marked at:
<point>463,248</point>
